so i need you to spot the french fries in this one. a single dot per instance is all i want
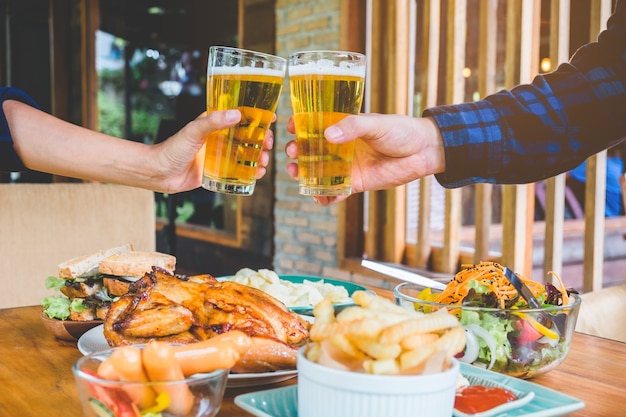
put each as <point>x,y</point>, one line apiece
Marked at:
<point>379,337</point>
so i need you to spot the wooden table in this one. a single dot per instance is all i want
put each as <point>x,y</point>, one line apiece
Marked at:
<point>36,377</point>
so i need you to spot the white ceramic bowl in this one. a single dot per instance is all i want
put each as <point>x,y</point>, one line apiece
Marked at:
<point>328,392</point>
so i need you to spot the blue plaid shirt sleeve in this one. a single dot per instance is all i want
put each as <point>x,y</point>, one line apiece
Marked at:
<point>9,161</point>
<point>538,130</point>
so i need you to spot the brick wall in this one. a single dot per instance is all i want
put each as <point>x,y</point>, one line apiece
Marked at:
<point>305,236</point>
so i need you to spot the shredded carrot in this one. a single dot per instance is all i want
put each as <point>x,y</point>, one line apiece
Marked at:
<point>489,274</point>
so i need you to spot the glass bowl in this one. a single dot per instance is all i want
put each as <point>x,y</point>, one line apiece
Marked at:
<point>199,395</point>
<point>509,341</point>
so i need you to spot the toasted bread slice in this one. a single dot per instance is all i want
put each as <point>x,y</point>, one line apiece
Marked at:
<point>87,265</point>
<point>136,263</point>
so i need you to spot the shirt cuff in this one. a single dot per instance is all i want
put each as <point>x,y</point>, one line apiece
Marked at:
<point>472,140</point>
<point>9,160</point>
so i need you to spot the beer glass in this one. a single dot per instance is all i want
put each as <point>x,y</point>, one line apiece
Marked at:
<point>326,86</point>
<point>251,82</point>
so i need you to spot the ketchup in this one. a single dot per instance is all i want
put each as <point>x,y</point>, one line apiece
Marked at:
<point>477,398</point>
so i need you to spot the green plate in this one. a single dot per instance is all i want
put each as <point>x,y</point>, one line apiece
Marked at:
<point>351,287</point>
<point>543,402</point>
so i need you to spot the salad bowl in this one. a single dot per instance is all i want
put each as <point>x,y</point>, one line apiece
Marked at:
<point>514,340</point>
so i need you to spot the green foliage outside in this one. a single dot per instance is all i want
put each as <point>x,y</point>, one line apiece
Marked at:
<point>183,213</point>
<point>111,119</point>
<point>149,105</point>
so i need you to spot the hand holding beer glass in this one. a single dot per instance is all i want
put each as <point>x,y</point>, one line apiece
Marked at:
<point>250,82</point>
<point>326,86</point>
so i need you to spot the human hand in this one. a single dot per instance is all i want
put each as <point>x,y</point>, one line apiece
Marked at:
<point>180,158</point>
<point>392,150</point>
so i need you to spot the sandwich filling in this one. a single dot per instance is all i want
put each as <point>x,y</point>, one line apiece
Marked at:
<point>89,284</point>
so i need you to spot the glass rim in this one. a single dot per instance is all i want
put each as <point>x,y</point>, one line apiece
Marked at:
<point>246,52</point>
<point>334,52</point>
<point>80,372</point>
<point>397,293</point>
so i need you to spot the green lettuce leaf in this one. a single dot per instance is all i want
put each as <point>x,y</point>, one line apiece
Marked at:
<point>55,283</point>
<point>59,307</point>
<point>56,307</point>
<point>497,327</point>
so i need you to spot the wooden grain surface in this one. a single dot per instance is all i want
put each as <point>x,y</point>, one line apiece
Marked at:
<point>36,372</point>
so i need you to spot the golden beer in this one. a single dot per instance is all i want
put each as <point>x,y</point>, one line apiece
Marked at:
<point>321,96</point>
<point>232,155</point>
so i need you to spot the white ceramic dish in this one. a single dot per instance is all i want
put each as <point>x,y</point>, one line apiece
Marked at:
<point>523,398</point>
<point>283,402</point>
<point>328,392</point>
<point>93,341</point>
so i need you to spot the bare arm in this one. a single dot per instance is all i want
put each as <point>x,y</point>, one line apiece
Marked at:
<point>48,144</point>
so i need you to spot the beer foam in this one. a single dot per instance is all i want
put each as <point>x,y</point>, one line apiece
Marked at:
<point>327,67</point>
<point>268,72</point>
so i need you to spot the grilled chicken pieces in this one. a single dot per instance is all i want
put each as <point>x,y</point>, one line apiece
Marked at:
<point>180,309</point>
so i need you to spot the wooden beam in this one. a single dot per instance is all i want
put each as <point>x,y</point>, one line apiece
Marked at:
<point>523,30</point>
<point>390,26</point>
<point>90,18</point>
<point>555,186</point>
<point>486,85</point>
<point>595,184</point>
<point>595,202</point>
<point>430,81</point>
<point>352,30</point>
<point>456,29</point>
<point>352,37</point>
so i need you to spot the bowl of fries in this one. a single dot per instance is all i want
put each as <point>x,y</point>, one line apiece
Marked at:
<point>144,380</point>
<point>503,333</point>
<point>376,358</point>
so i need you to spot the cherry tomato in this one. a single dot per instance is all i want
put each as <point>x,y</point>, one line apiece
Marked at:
<point>527,333</point>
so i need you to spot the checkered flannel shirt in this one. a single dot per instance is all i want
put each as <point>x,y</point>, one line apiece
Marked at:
<point>550,126</point>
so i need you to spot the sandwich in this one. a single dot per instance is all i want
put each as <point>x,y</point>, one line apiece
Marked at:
<point>122,269</point>
<point>87,292</point>
<point>83,296</point>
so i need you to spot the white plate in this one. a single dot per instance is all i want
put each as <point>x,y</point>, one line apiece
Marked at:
<point>93,341</point>
<point>264,378</point>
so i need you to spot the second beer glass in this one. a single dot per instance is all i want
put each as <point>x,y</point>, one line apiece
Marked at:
<point>251,82</point>
<point>326,86</point>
